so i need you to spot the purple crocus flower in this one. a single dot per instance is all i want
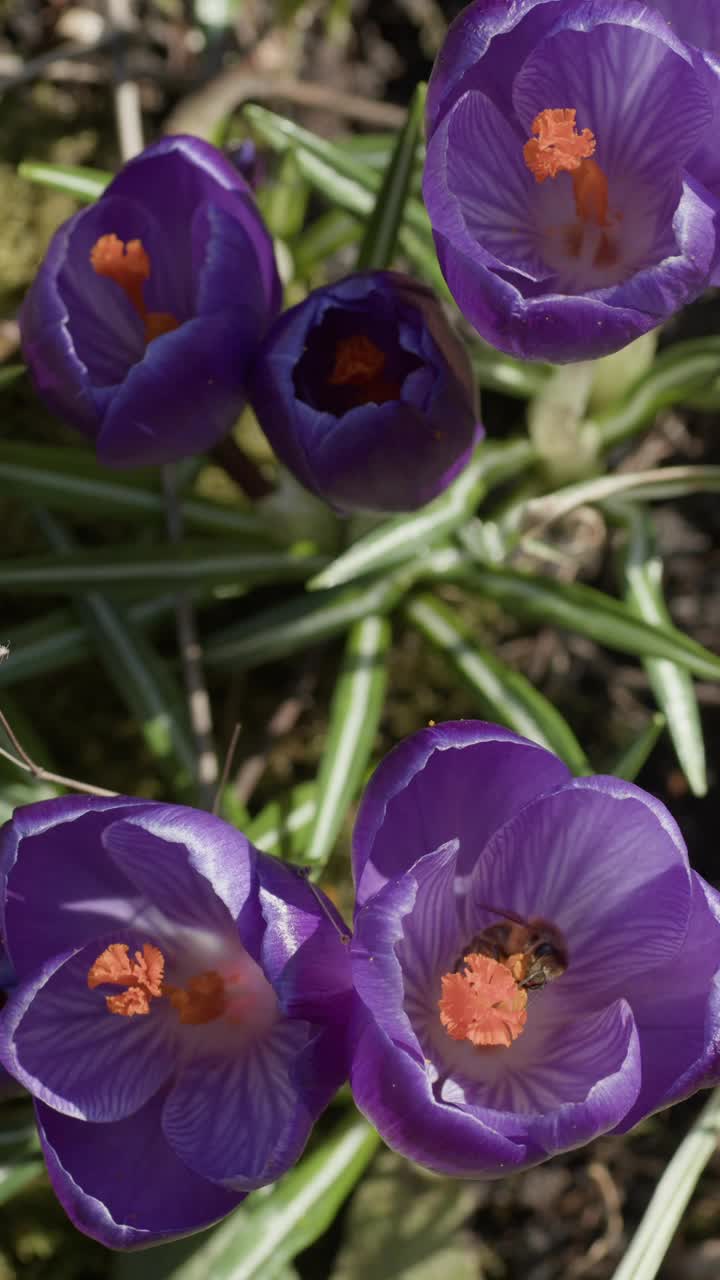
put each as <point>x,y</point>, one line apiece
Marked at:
<point>536,961</point>
<point>179,1014</point>
<point>149,304</point>
<point>366,395</point>
<point>572,174</point>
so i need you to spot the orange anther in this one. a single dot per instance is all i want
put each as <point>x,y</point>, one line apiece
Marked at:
<point>142,976</point>
<point>202,1000</point>
<point>483,1003</point>
<point>558,147</point>
<point>129,266</point>
<point>360,364</point>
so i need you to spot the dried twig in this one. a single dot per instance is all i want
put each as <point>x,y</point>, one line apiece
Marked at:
<point>227,765</point>
<point>199,112</point>
<point>241,469</point>
<point>126,93</point>
<point>24,761</point>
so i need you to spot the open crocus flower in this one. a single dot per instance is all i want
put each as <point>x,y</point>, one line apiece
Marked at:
<point>536,961</point>
<point>149,304</point>
<point>179,1014</point>
<point>366,395</point>
<point>571,175</point>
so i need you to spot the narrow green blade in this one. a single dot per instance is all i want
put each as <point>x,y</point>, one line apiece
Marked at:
<point>588,612</point>
<point>632,759</point>
<point>191,564</point>
<point>258,1242</point>
<point>74,180</point>
<point>354,717</point>
<point>403,537</point>
<point>378,247</point>
<point>671,684</point>
<point>504,695</point>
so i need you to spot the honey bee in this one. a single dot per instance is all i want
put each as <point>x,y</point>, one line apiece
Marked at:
<point>532,950</point>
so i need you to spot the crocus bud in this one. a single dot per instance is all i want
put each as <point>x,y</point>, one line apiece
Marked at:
<point>366,394</point>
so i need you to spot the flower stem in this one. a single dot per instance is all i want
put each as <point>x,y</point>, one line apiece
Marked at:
<point>241,469</point>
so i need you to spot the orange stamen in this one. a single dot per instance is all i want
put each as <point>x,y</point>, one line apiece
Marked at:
<point>357,362</point>
<point>128,264</point>
<point>558,147</point>
<point>202,1000</point>
<point>483,1004</point>
<point>142,976</point>
<point>360,363</point>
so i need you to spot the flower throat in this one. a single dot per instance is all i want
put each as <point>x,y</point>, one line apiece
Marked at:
<point>556,147</point>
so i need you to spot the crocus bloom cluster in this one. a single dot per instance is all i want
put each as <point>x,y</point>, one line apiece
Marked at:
<point>149,304</point>
<point>572,174</point>
<point>179,1014</point>
<point>366,395</point>
<point>536,961</point>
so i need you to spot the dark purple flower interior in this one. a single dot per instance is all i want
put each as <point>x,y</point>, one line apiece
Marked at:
<point>354,356</point>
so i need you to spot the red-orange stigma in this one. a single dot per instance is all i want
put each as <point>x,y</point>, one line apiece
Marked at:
<point>483,1003</point>
<point>559,148</point>
<point>128,264</point>
<point>201,1000</point>
<point>360,363</point>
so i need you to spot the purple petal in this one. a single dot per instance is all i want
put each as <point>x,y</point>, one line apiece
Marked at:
<point>58,1038</point>
<point>682,276</point>
<point>495,190</point>
<point>183,396</point>
<point>560,1087</point>
<point>193,866</point>
<point>107,332</point>
<point>406,936</point>
<point>605,863</point>
<point>361,461</point>
<point>236,1117</point>
<point>677,1012</point>
<point>235,262</point>
<point>485,46</point>
<point>395,1092</point>
<point>650,121</point>
<point>305,952</point>
<point>172,180</point>
<point>698,23</point>
<point>59,889</point>
<point>173,177</point>
<point>122,1184</point>
<point>58,373</point>
<point>461,780</point>
<point>560,328</point>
